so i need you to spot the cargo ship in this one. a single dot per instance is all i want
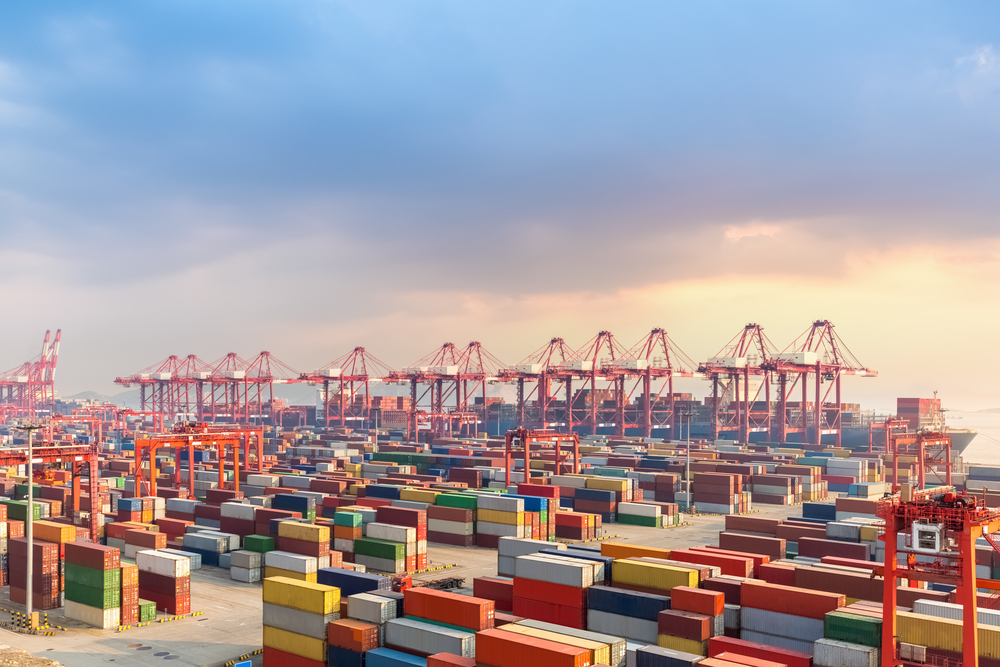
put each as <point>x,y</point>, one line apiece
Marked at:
<point>920,414</point>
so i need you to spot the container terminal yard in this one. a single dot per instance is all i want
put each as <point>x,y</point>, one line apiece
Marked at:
<point>586,523</point>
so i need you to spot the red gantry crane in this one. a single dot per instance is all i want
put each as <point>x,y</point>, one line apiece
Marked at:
<point>741,408</point>
<point>30,388</point>
<point>820,352</point>
<point>544,367</point>
<point>447,373</point>
<point>243,390</point>
<point>349,373</point>
<point>654,358</point>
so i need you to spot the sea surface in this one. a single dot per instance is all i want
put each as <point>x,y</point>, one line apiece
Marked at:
<point>985,448</point>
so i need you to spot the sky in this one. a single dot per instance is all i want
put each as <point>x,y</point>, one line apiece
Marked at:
<point>307,176</point>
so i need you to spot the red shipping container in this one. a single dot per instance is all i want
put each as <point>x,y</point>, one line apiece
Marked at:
<point>452,539</point>
<point>168,603</point>
<point>747,660</point>
<point>401,516</point>
<point>94,556</point>
<point>449,660</point>
<point>752,524</point>
<point>158,583</point>
<point>817,548</point>
<point>538,490</point>
<point>758,559</point>
<point>506,649</point>
<point>739,647</point>
<point>697,600</point>
<point>778,573</point>
<point>789,599</point>
<point>15,528</point>
<point>315,549</point>
<point>352,635</point>
<point>546,591</point>
<point>241,527</point>
<point>685,624</point>
<point>466,612</point>
<point>144,538</point>
<point>275,658</point>
<point>493,588</point>
<point>768,546</point>
<point>731,588</point>
<point>733,566</point>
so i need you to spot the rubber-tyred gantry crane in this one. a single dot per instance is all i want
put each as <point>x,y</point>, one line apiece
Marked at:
<point>523,439</point>
<point>351,372</point>
<point>820,352</point>
<point>936,534</point>
<point>743,357</point>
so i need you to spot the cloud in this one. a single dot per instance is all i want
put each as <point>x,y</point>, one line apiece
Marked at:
<point>736,233</point>
<point>982,59</point>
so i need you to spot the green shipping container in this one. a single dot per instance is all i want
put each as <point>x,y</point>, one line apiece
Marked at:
<point>86,576</point>
<point>847,627</point>
<point>18,510</point>
<point>94,597</point>
<point>460,500</point>
<point>147,611</point>
<point>351,519</point>
<point>258,543</point>
<point>635,520</point>
<point>368,546</point>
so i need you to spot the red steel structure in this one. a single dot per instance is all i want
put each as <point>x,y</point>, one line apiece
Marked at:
<point>172,387</point>
<point>820,352</point>
<point>592,362</point>
<point>938,533</point>
<point>746,355</point>
<point>192,437</point>
<point>523,438</point>
<point>29,389</point>
<point>446,374</point>
<point>351,372</point>
<point>932,451</point>
<point>82,460</point>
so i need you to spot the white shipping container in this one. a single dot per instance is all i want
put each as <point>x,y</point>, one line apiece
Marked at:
<point>298,621</point>
<point>286,560</point>
<point>450,527</point>
<point>636,629</point>
<point>427,638</point>
<point>342,545</point>
<point>505,566</point>
<point>511,546</point>
<point>732,615</point>
<point>837,530</point>
<point>263,480</point>
<point>391,533</point>
<point>181,505</point>
<point>776,641</point>
<point>98,618</point>
<point>373,564</point>
<point>246,559</point>
<point>246,575</point>
<point>371,608</point>
<point>556,571</point>
<point>232,540</point>
<point>499,503</point>
<point>772,622</point>
<point>238,511</point>
<point>499,529</point>
<point>166,564</point>
<point>638,509</point>
<point>833,653</point>
<point>954,611</point>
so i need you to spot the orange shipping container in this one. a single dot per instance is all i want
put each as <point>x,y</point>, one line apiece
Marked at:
<point>506,649</point>
<point>449,660</point>
<point>461,610</point>
<point>730,565</point>
<point>697,600</point>
<point>352,635</point>
<point>789,600</point>
<point>621,550</point>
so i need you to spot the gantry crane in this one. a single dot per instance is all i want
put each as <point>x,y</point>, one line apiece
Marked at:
<point>745,356</point>
<point>523,438</point>
<point>821,352</point>
<point>939,532</point>
<point>30,388</point>
<point>545,366</point>
<point>355,370</point>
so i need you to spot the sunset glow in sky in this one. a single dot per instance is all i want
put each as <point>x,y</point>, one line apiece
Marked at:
<point>306,176</point>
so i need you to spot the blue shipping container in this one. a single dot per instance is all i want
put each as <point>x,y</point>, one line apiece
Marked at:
<point>386,657</point>
<point>352,583</point>
<point>626,603</point>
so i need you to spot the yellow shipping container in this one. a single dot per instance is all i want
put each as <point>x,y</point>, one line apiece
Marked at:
<point>608,484</point>
<point>290,574</point>
<point>496,516</point>
<point>311,597</point>
<point>622,550</point>
<point>681,644</point>
<point>290,642</point>
<point>419,495</point>
<point>600,654</point>
<point>50,531</point>
<point>869,533</point>
<point>652,575</point>
<point>944,633</point>
<point>305,532</point>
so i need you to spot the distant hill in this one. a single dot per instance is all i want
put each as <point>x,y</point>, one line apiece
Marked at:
<point>126,399</point>
<point>991,410</point>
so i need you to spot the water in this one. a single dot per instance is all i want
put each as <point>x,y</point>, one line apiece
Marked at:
<point>985,448</point>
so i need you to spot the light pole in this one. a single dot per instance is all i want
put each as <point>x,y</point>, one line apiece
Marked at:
<point>687,451</point>
<point>29,521</point>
